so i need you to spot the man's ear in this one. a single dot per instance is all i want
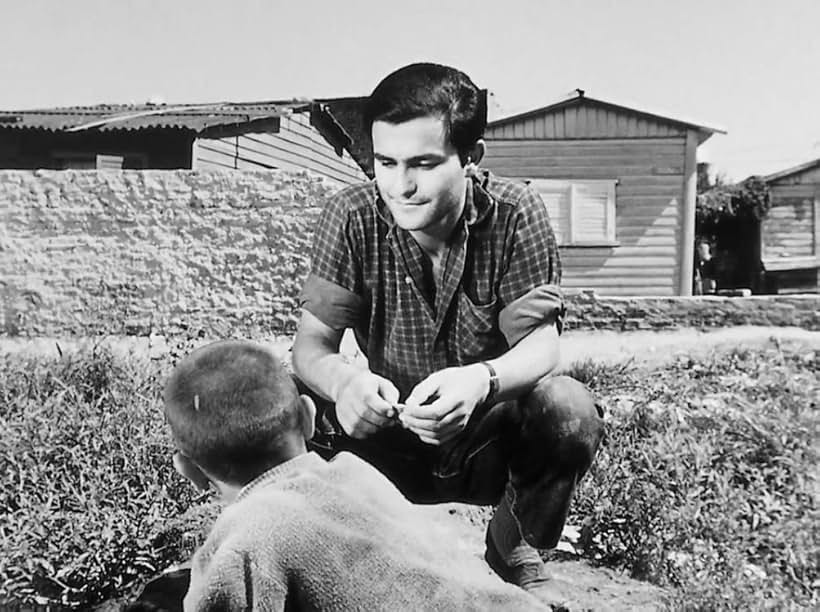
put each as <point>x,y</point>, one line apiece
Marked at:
<point>307,416</point>
<point>474,157</point>
<point>191,471</point>
<point>478,151</point>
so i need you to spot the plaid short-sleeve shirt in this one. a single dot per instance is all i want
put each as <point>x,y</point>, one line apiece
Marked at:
<point>499,280</point>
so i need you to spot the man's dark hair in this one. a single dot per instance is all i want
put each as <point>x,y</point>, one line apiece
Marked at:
<point>422,90</point>
<point>230,405</point>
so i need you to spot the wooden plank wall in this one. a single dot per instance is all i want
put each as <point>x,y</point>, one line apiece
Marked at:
<point>789,228</point>
<point>647,203</point>
<point>584,121</point>
<point>806,280</point>
<point>297,146</point>
<point>809,176</point>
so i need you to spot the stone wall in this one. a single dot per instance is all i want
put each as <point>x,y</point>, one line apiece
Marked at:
<point>225,253</point>
<point>130,252</point>
<point>587,311</point>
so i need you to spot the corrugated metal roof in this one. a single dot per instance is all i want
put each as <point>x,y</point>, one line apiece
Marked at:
<point>107,117</point>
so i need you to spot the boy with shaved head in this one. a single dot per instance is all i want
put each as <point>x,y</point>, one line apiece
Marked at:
<point>301,532</point>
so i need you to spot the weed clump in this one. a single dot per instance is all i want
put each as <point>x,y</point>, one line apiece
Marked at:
<point>87,479</point>
<point>705,483</point>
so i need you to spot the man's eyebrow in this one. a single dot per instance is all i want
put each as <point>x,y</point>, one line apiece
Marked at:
<point>415,158</point>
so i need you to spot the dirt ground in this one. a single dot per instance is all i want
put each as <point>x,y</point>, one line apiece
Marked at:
<point>606,346</point>
<point>586,587</point>
<point>664,346</point>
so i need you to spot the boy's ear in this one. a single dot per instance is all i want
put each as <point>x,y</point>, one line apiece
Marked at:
<point>191,471</point>
<point>307,416</point>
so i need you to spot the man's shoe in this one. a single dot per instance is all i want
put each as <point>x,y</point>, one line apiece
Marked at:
<point>533,577</point>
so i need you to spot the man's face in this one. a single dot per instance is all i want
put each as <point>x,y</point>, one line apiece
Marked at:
<point>419,175</point>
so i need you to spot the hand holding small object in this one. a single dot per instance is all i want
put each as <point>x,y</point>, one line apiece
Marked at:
<point>365,404</point>
<point>440,406</point>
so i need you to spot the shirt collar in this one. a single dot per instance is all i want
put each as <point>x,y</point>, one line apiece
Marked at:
<point>478,202</point>
<point>305,462</point>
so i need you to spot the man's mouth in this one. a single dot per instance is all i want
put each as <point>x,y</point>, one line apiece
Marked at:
<point>404,203</point>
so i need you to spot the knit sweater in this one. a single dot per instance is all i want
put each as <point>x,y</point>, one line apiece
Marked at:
<point>334,535</point>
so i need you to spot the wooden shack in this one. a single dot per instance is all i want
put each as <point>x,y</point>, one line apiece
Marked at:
<point>620,187</point>
<point>790,233</point>
<point>288,135</point>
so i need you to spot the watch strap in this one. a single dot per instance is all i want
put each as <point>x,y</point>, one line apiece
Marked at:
<point>494,383</point>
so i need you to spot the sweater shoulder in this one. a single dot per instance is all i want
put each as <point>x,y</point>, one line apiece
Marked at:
<point>348,467</point>
<point>268,515</point>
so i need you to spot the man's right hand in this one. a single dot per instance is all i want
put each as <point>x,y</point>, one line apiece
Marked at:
<point>365,404</point>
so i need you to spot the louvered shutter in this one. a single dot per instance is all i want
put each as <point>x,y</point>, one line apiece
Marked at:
<point>592,211</point>
<point>556,196</point>
<point>109,162</point>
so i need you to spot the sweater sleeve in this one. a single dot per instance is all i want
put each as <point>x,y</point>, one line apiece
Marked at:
<point>228,580</point>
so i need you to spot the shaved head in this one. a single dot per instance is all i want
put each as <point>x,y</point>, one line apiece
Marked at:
<point>232,407</point>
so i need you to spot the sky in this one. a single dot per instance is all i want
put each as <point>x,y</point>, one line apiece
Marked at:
<point>751,67</point>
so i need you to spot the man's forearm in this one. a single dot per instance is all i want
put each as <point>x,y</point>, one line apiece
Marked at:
<point>322,368</point>
<point>535,356</point>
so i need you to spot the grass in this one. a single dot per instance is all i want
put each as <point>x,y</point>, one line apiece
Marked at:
<point>707,480</point>
<point>706,483</point>
<point>87,481</point>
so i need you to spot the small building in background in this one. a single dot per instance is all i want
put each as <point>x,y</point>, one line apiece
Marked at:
<point>620,187</point>
<point>790,233</point>
<point>290,135</point>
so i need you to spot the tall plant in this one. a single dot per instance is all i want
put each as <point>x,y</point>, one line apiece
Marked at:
<point>721,206</point>
<point>729,217</point>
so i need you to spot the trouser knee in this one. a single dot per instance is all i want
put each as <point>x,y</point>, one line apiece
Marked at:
<point>560,426</point>
<point>556,434</point>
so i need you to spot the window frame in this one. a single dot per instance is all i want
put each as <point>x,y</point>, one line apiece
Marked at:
<point>571,239</point>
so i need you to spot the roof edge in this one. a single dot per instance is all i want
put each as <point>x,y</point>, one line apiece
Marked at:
<point>582,97</point>
<point>790,171</point>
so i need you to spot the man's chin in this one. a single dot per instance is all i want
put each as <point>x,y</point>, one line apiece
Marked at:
<point>409,223</point>
<point>409,226</point>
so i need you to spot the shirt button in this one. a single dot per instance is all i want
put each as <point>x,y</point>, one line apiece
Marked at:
<point>407,280</point>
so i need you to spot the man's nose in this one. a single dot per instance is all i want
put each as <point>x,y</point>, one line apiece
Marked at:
<point>405,182</point>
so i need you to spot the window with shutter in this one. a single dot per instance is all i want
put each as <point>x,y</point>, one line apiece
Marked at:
<point>581,212</point>
<point>556,195</point>
<point>109,162</point>
<point>76,160</point>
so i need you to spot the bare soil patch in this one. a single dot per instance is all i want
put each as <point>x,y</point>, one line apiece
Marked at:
<point>586,586</point>
<point>665,346</point>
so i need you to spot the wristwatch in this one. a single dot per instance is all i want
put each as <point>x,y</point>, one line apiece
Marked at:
<point>494,384</point>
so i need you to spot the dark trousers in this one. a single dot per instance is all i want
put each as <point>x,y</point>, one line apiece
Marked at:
<point>535,449</point>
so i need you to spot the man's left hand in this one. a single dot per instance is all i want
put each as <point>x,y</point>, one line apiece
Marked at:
<point>440,406</point>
